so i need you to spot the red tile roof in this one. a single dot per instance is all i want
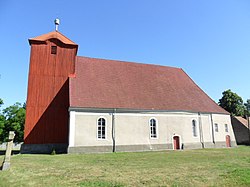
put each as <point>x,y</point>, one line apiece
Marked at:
<point>54,34</point>
<point>100,83</point>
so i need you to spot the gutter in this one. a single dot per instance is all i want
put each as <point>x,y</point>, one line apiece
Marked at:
<point>129,110</point>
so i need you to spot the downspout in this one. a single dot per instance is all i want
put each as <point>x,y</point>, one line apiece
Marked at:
<point>212,125</point>
<point>113,129</point>
<point>201,132</point>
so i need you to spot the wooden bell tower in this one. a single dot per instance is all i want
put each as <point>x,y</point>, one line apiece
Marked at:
<point>52,60</point>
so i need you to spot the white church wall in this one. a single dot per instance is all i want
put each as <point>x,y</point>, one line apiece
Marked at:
<point>135,129</point>
<point>131,131</point>
<point>221,120</point>
<point>86,129</point>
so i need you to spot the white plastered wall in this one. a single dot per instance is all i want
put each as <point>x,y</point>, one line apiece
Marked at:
<point>134,129</point>
<point>221,120</point>
<point>86,129</point>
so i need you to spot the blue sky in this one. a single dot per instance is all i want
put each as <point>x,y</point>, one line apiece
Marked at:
<point>210,40</point>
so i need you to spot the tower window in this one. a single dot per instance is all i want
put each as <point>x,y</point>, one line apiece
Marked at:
<point>53,49</point>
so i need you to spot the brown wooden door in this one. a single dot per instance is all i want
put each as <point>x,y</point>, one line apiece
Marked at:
<point>228,141</point>
<point>176,142</point>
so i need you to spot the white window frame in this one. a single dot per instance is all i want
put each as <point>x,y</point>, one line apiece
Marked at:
<point>97,130</point>
<point>156,128</point>
<point>216,127</point>
<point>194,128</point>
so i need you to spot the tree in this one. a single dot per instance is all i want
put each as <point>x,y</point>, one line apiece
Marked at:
<point>1,102</point>
<point>232,103</point>
<point>14,121</point>
<point>247,105</point>
<point>2,121</point>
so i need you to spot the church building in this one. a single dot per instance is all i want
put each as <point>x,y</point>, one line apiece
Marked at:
<point>82,105</point>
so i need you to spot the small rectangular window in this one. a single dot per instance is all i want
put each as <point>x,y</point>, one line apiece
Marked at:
<point>226,128</point>
<point>216,128</point>
<point>194,127</point>
<point>53,50</point>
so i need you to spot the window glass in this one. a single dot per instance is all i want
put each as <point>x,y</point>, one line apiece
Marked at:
<point>101,128</point>
<point>216,128</point>
<point>153,130</point>
<point>226,128</point>
<point>194,128</point>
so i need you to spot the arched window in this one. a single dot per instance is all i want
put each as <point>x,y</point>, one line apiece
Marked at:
<point>226,128</point>
<point>101,128</point>
<point>216,128</point>
<point>194,128</point>
<point>153,128</point>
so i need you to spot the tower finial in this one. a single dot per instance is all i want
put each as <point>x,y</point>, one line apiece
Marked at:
<point>57,22</point>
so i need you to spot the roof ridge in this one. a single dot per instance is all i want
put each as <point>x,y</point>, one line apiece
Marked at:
<point>53,34</point>
<point>64,36</point>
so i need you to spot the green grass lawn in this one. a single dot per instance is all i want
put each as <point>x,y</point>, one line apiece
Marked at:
<point>207,167</point>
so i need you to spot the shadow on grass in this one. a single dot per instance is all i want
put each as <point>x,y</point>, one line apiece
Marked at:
<point>14,152</point>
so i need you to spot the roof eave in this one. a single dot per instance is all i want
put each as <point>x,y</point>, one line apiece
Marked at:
<point>52,35</point>
<point>84,109</point>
